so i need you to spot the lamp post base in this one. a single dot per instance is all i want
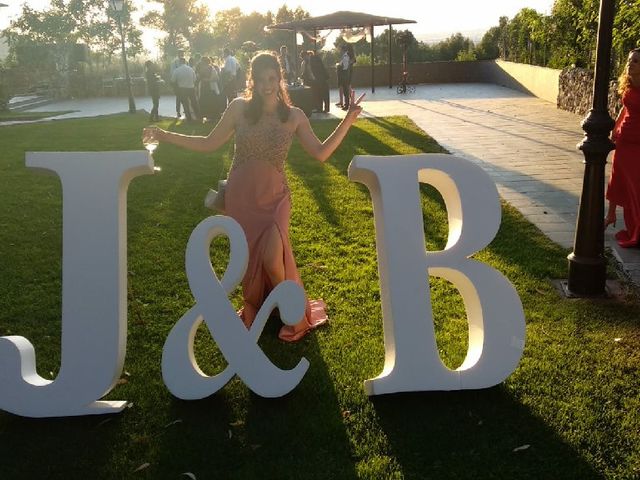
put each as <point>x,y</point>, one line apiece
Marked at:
<point>587,275</point>
<point>614,290</point>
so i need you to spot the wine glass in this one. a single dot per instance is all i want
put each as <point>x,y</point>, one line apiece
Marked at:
<point>149,141</point>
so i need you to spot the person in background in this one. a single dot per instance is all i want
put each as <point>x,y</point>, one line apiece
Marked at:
<point>345,81</point>
<point>229,72</point>
<point>175,64</point>
<point>209,90</point>
<point>202,69</point>
<point>321,83</point>
<point>257,194</point>
<point>624,183</point>
<point>287,67</point>
<point>305,68</point>
<point>339,72</point>
<point>184,78</point>
<point>153,88</point>
<point>194,60</point>
<point>346,63</point>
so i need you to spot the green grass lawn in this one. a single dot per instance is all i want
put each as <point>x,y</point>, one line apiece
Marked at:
<point>574,399</point>
<point>26,116</point>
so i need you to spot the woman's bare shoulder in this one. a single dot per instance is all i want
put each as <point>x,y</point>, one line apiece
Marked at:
<point>238,103</point>
<point>237,106</point>
<point>297,115</point>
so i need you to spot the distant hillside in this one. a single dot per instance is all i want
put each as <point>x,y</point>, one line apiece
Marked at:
<point>431,38</point>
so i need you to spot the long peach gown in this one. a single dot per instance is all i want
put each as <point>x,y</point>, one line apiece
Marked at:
<point>258,197</point>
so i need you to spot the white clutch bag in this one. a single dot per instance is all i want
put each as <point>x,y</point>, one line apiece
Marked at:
<point>215,198</point>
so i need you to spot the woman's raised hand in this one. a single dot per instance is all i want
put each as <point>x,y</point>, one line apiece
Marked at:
<point>354,105</point>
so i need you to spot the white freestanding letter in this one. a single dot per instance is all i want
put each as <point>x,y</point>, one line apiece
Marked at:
<point>494,310</point>
<point>180,371</point>
<point>94,279</point>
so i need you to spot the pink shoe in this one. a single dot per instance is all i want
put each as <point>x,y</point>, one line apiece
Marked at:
<point>318,318</point>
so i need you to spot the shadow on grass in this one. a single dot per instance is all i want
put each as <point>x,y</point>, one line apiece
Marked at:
<point>413,137</point>
<point>308,424</point>
<point>315,178</point>
<point>241,435</point>
<point>318,181</point>
<point>58,448</point>
<point>473,435</point>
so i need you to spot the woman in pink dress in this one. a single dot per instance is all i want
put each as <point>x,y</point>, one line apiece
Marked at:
<point>624,184</point>
<point>257,194</point>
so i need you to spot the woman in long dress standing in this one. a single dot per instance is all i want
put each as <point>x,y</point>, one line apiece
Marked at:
<point>624,184</point>
<point>257,194</point>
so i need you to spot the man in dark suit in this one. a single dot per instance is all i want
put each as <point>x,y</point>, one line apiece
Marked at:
<point>321,83</point>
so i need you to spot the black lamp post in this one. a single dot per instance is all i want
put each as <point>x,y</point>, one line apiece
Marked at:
<point>587,263</point>
<point>117,6</point>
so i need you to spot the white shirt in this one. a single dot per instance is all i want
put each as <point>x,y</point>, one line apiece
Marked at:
<point>184,77</point>
<point>346,61</point>
<point>230,65</point>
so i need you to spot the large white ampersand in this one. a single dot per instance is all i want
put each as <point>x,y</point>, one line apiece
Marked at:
<point>180,371</point>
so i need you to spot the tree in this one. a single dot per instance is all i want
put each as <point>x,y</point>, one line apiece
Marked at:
<point>67,23</point>
<point>489,46</point>
<point>626,30</point>
<point>416,51</point>
<point>525,35</point>
<point>184,21</point>
<point>452,46</point>
<point>42,43</point>
<point>566,37</point>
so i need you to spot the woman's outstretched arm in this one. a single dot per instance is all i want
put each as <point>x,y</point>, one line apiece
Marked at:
<point>323,150</point>
<point>218,136</point>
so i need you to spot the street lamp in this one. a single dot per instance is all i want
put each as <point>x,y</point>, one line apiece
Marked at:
<point>587,263</point>
<point>117,6</point>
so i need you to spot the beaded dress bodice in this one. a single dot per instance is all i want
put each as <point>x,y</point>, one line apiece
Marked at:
<point>268,140</point>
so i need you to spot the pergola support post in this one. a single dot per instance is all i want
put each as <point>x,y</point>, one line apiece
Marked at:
<point>373,80</point>
<point>390,59</point>
<point>295,53</point>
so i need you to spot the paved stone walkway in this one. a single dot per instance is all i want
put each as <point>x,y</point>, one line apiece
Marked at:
<point>527,145</point>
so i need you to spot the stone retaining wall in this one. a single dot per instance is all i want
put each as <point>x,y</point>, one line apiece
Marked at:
<point>576,92</point>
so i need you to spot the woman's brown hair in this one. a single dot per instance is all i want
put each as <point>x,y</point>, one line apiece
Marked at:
<point>261,62</point>
<point>624,82</point>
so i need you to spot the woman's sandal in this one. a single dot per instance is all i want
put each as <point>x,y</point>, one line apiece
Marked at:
<point>287,334</point>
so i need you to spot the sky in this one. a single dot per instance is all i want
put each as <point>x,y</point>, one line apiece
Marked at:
<point>432,17</point>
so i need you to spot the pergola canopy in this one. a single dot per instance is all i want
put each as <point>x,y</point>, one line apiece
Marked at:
<point>345,19</point>
<point>339,20</point>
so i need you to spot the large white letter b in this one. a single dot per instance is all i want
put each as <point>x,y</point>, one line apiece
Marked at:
<point>494,311</point>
